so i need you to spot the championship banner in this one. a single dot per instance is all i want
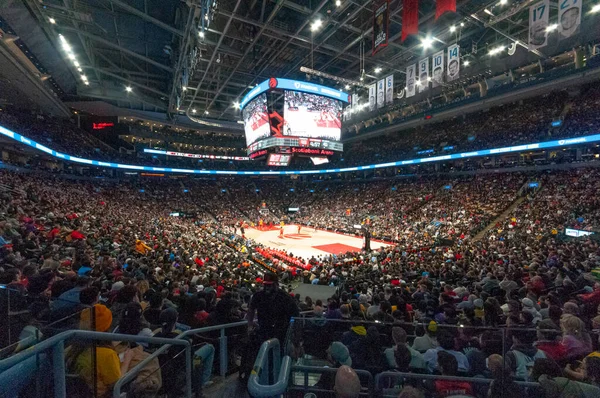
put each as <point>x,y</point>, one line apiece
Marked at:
<point>569,17</point>
<point>424,74</point>
<point>443,6</point>
<point>410,80</point>
<point>453,71</point>
<point>410,18</point>
<point>389,89</point>
<point>538,22</point>
<point>356,105</point>
<point>380,93</point>
<point>438,68</point>
<point>372,97</point>
<point>381,24</point>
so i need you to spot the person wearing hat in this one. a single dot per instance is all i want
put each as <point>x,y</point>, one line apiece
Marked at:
<point>337,355</point>
<point>528,306</point>
<point>79,358</point>
<point>273,308</point>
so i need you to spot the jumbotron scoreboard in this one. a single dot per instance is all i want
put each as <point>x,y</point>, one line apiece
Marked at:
<point>292,118</point>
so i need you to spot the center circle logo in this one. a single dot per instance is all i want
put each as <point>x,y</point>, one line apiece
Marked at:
<point>273,82</point>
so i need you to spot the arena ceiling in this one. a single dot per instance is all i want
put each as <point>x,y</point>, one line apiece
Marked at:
<point>133,52</point>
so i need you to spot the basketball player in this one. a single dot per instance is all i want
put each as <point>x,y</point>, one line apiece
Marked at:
<point>299,228</point>
<point>281,232</point>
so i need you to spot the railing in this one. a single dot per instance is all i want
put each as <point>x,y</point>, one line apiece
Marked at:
<point>269,366</point>
<point>305,370</point>
<point>57,345</point>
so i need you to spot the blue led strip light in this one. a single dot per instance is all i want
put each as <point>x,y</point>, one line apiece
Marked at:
<point>485,152</point>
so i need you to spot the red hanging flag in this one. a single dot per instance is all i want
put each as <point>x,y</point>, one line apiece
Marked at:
<point>444,5</point>
<point>410,18</point>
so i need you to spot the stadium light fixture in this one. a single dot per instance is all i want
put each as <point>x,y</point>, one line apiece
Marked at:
<point>428,78</point>
<point>316,25</point>
<point>462,24</point>
<point>503,2</point>
<point>52,20</point>
<point>71,56</point>
<point>236,105</point>
<point>377,70</point>
<point>347,87</point>
<point>128,89</point>
<point>418,83</point>
<point>453,28</point>
<point>427,42</point>
<point>84,78</point>
<point>466,63</point>
<point>201,34</point>
<point>184,88</point>
<point>79,70</point>
<point>552,27</point>
<point>76,63</point>
<point>595,8</point>
<point>206,112</point>
<point>496,50</point>
<point>488,12</point>
<point>338,3</point>
<point>193,111</point>
<point>86,83</point>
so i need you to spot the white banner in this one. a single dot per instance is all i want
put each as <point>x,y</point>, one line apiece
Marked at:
<point>437,64</point>
<point>356,105</point>
<point>389,89</point>
<point>372,94</point>
<point>423,74</point>
<point>410,80</point>
<point>569,16</point>
<point>380,93</point>
<point>538,22</point>
<point>453,71</point>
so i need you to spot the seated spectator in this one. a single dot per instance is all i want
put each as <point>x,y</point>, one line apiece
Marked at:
<point>549,340</point>
<point>446,341</point>
<point>554,385</point>
<point>449,367</point>
<point>347,383</point>
<point>425,339</point>
<point>576,339</point>
<point>416,358</point>
<point>523,353</point>
<point>337,355</point>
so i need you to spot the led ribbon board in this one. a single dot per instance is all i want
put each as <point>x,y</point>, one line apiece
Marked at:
<point>294,85</point>
<point>484,152</point>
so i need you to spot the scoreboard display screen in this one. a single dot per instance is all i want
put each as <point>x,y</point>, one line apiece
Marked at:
<point>256,120</point>
<point>312,116</point>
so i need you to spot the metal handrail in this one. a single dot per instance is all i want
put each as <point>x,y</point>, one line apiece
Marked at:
<point>257,382</point>
<point>305,370</point>
<point>57,344</point>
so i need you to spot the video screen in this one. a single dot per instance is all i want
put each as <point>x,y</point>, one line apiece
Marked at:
<point>256,119</point>
<point>276,159</point>
<point>312,116</point>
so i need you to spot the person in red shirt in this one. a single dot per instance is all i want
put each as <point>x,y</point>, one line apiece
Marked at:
<point>549,340</point>
<point>449,367</point>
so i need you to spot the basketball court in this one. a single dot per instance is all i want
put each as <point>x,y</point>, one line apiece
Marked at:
<point>308,242</point>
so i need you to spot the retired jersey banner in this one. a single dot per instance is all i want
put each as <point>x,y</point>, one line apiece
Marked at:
<point>437,64</point>
<point>442,6</point>
<point>410,18</point>
<point>423,74</point>
<point>453,63</point>
<point>372,94</point>
<point>538,22</point>
<point>381,25</point>
<point>381,93</point>
<point>389,89</point>
<point>410,80</point>
<point>569,17</point>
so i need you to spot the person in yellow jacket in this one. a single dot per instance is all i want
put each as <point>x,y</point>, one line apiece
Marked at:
<point>141,247</point>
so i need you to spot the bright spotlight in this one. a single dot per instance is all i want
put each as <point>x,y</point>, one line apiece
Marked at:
<point>427,42</point>
<point>201,34</point>
<point>418,83</point>
<point>428,78</point>
<point>206,112</point>
<point>128,89</point>
<point>84,77</point>
<point>76,63</point>
<point>466,63</point>
<point>52,20</point>
<point>184,88</point>
<point>316,25</point>
<point>79,70</point>
<point>462,24</point>
<point>377,70</point>
<point>452,28</point>
<point>488,12</point>
<point>552,27</point>
<point>193,111</point>
<point>595,8</point>
<point>496,50</point>
<point>503,2</point>
<point>338,3</point>
<point>71,56</point>
<point>236,105</point>
<point>347,87</point>
<point>86,83</point>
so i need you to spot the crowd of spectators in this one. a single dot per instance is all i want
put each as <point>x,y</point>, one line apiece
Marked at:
<point>68,246</point>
